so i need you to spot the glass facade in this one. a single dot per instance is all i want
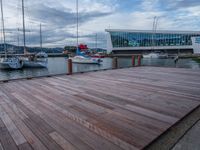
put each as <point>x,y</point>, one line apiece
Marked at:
<point>137,39</point>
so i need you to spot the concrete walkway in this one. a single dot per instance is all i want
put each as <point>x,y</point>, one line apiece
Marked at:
<point>191,140</point>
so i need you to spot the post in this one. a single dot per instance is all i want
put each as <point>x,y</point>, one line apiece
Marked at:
<point>133,61</point>
<point>139,60</point>
<point>70,67</point>
<point>114,63</point>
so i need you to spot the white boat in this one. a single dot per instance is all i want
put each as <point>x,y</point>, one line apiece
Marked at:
<point>11,63</point>
<point>151,55</point>
<point>80,57</point>
<point>163,56</point>
<point>39,60</point>
<point>156,55</point>
<point>85,60</point>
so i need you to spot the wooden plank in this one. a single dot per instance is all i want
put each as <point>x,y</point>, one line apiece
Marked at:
<point>61,141</point>
<point>28,134</point>
<point>93,140</point>
<point>39,127</point>
<point>125,109</point>
<point>6,140</point>
<point>1,148</point>
<point>25,146</point>
<point>13,130</point>
<point>92,127</point>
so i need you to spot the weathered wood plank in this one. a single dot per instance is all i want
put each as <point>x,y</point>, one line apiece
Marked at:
<point>124,109</point>
<point>93,140</point>
<point>6,139</point>
<point>28,134</point>
<point>61,141</point>
<point>1,148</point>
<point>25,146</point>
<point>13,130</point>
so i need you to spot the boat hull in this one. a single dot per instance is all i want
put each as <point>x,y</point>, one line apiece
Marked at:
<point>4,65</point>
<point>82,60</point>
<point>29,64</point>
<point>98,56</point>
<point>151,56</point>
<point>11,63</point>
<point>40,60</point>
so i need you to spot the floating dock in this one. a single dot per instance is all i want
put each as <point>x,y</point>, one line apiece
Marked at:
<point>116,109</point>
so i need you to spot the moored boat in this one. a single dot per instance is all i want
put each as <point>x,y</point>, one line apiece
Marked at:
<point>11,63</point>
<point>156,55</point>
<point>98,55</point>
<point>39,60</point>
<point>85,60</point>
<point>151,55</point>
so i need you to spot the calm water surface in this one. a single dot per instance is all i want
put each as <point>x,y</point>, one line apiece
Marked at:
<point>59,66</point>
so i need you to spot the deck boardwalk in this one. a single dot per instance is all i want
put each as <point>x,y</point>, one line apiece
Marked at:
<point>116,109</point>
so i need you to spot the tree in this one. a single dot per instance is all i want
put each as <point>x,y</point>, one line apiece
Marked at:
<point>70,49</point>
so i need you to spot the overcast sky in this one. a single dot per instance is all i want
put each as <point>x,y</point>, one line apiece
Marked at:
<point>58,18</point>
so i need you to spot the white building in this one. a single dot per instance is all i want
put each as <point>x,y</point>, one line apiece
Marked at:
<point>132,41</point>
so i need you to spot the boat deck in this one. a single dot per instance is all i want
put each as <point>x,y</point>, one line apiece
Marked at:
<point>115,109</point>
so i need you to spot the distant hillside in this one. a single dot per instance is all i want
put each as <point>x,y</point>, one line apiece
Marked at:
<point>20,50</point>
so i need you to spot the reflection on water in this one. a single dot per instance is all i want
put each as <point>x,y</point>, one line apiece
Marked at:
<point>182,63</point>
<point>59,66</point>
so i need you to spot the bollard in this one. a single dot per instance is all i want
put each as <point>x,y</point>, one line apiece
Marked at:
<point>70,67</point>
<point>114,63</point>
<point>133,61</point>
<point>139,60</point>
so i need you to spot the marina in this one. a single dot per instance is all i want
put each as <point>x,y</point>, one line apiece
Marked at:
<point>118,109</point>
<point>58,65</point>
<point>99,75</point>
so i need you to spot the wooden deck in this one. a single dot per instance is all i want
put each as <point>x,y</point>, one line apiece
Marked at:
<point>116,109</point>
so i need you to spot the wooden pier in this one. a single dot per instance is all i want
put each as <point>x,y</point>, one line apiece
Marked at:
<point>116,109</point>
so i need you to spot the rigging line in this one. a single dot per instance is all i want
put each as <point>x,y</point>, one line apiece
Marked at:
<point>17,37</point>
<point>30,23</point>
<point>24,34</point>
<point>4,38</point>
<point>77,9</point>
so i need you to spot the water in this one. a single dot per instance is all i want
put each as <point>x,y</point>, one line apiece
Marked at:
<point>59,66</point>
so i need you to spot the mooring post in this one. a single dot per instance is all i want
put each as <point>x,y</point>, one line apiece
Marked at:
<point>139,60</point>
<point>115,63</point>
<point>133,60</point>
<point>70,67</point>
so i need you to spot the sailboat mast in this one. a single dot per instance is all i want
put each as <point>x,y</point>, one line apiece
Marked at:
<point>77,26</point>
<point>4,37</point>
<point>40,36</point>
<point>96,42</point>
<point>24,34</point>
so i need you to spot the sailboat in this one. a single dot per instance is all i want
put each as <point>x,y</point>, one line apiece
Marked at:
<point>38,60</point>
<point>80,57</point>
<point>8,62</point>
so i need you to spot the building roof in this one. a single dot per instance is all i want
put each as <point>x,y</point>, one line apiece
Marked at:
<point>151,31</point>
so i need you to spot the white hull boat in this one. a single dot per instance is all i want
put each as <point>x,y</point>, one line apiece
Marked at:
<point>34,64</point>
<point>11,63</point>
<point>156,55</point>
<point>151,55</point>
<point>85,60</point>
<point>40,60</point>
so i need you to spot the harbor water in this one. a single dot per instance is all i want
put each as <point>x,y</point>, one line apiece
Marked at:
<point>58,65</point>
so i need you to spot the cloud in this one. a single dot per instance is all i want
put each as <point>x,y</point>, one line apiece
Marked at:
<point>58,18</point>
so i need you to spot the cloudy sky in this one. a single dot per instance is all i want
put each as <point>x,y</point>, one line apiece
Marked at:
<point>58,19</point>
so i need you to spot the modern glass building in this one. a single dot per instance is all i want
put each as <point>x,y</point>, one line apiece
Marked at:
<point>129,41</point>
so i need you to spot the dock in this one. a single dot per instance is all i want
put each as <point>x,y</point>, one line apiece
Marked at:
<point>122,109</point>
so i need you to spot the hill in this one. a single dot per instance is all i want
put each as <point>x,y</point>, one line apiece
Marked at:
<point>19,50</point>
